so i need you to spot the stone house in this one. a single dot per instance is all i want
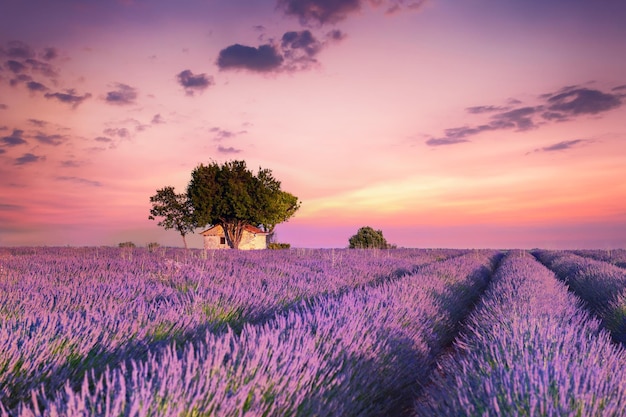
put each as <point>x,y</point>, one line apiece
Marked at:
<point>252,238</point>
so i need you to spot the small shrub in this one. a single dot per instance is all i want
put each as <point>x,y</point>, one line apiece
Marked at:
<point>368,238</point>
<point>152,246</point>
<point>126,245</point>
<point>276,245</point>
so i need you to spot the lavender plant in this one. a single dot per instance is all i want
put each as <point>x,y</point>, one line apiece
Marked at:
<point>528,349</point>
<point>352,353</point>
<point>616,257</point>
<point>601,285</point>
<point>65,312</point>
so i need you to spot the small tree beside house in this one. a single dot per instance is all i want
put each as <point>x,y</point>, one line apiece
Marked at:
<point>176,211</point>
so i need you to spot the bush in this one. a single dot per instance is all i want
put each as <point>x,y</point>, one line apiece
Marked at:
<point>152,246</point>
<point>276,245</point>
<point>368,238</point>
<point>126,245</point>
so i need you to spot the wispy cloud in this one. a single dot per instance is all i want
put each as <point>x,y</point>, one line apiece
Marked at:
<point>222,134</point>
<point>122,95</point>
<point>17,49</point>
<point>319,12</point>
<point>582,101</point>
<point>80,181</point>
<point>486,109</point>
<point>157,120</point>
<point>15,66</point>
<point>29,158</point>
<point>300,49</point>
<point>69,97</point>
<point>41,68</point>
<point>16,138</point>
<point>562,146</point>
<point>120,132</point>
<point>194,83</point>
<point>228,150</point>
<point>445,141</point>
<point>70,163</point>
<point>21,61</point>
<point>103,139</point>
<point>49,54</point>
<point>37,122</point>
<point>20,79</point>
<point>11,207</point>
<point>322,12</point>
<point>46,139</point>
<point>566,104</point>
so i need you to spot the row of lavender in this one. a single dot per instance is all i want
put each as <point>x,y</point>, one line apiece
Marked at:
<point>616,257</point>
<point>601,285</point>
<point>64,311</point>
<point>356,353</point>
<point>529,348</point>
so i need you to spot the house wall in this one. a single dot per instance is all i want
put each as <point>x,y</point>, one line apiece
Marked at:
<point>251,241</point>
<point>248,241</point>
<point>213,242</point>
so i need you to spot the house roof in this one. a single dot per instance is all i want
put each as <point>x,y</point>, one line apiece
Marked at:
<point>218,230</point>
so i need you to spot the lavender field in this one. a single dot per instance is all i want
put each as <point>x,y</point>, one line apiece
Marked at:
<point>402,332</point>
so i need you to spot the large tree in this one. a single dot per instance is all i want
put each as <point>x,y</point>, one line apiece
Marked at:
<point>232,196</point>
<point>175,209</point>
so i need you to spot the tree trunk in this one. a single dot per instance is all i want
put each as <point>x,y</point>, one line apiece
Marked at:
<point>233,230</point>
<point>184,240</point>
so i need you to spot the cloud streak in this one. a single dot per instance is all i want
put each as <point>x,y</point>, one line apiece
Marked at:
<point>120,132</point>
<point>583,101</point>
<point>29,158</point>
<point>17,49</point>
<point>35,86</point>
<point>157,120</point>
<point>69,97</point>
<point>15,139</point>
<point>228,150</point>
<point>314,13</point>
<point>80,181</point>
<point>562,146</point>
<point>320,12</point>
<point>566,104</point>
<point>54,140</point>
<point>123,95</point>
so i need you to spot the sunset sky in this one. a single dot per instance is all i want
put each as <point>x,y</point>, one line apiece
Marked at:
<point>445,123</point>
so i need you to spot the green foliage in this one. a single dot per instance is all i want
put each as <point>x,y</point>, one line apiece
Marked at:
<point>152,246</point>
<point>368,238</point>
<point>175,209</point>
<point>126,245</point>
<point>276,245</point>
<point>232,196</point>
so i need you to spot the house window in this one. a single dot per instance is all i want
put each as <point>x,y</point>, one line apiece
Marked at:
<point>222,240</point>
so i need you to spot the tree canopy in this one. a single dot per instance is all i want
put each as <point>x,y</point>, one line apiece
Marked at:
<point>367,237</point>
<point>175,209</point>
<point>232,196</point>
